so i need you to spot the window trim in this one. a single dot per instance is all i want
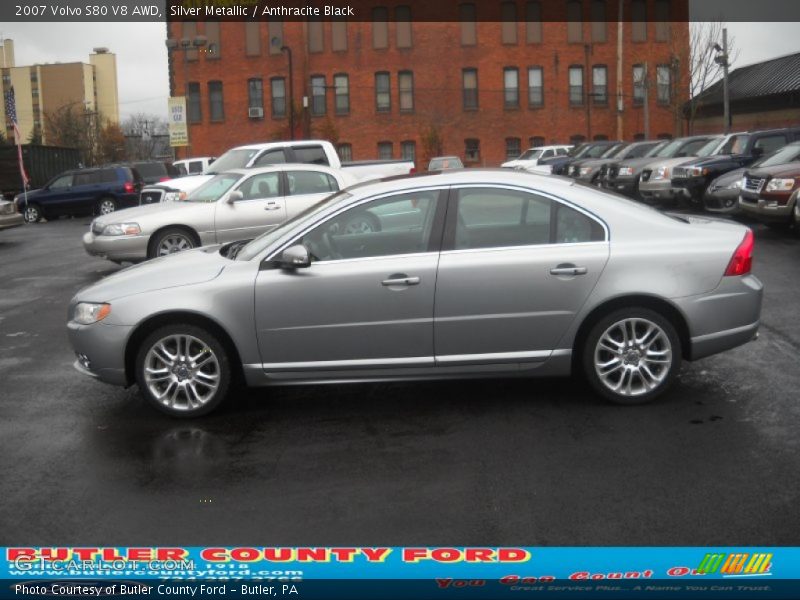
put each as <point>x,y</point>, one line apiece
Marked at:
<point>539,68</point>
<point>595,100</point>
<point>400,92</point>
<point>388,75</point>
<point>582,70</point>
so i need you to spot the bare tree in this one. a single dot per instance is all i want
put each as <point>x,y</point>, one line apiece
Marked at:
<point>75,126</point>
<point>144,136</point>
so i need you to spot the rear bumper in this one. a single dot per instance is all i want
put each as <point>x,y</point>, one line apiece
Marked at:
<point>121,248</point>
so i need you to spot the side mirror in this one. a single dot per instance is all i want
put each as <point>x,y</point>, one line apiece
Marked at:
<point>295,257</point>
<point>234,196</point>
<point>758,152</point>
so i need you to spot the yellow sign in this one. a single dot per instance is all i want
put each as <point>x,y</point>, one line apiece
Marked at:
<point>178,129</point>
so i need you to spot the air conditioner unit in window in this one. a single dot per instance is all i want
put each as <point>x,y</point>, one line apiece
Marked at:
<point>255,112</point>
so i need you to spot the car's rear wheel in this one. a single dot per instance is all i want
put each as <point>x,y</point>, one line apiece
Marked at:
<point>183,370</point>
<point>170,241</point>
<point>632,355</point>
<point>32,213</point>
<point>106,206</point>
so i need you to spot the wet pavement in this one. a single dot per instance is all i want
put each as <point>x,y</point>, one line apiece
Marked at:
<point>505,462</point>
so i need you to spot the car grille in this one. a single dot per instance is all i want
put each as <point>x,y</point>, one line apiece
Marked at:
<point>646,174</point>
<point>151,196</point>
<point>753,184</point>
<point>679,173</point>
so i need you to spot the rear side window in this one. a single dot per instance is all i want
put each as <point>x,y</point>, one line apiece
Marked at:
<point>310,182</point>
<point>265,185</point>
<point>271,157</point>
<point>313,155</point>
<point>572,227</point>
<point>196,166</point>
<point>86,178</point>
<point>110,175</point>
<point>770,143</point>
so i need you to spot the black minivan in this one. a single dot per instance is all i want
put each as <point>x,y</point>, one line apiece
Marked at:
<point>83,191</point>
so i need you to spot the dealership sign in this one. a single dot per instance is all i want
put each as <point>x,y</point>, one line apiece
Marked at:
<point>178,128</point>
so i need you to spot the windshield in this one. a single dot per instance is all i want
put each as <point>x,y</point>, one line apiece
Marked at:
<point>614,151</point>
<point>213,190</point>
<point>734,145</point>
<point>530,154</point>
<point>594,152</point>
<point>785,155</point>
<point>267,239</point>
<point>710,147</point>
<point>656,150</point>
<point>578,151</point>
<point>232,159</point>
<point>670,149</point>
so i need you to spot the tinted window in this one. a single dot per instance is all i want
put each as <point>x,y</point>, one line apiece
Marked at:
<point>196,166</point>
<point>265,185</point>
<point>785,155</point>
<point>310,182</point>
<point>213,190</point>
<point>399,224</point>
<point>271,157</point>
<point>770,143</point>
<point>692,148</point>
<point>62,182</point>
<point>574,227</point>
<point>86,178</point>
<point>150,169</point>
<point>313,155</point>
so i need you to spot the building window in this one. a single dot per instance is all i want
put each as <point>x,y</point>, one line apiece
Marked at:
<point>574,21</point>
<point>385,151</point>
<point>599,21</point>
<point>215,102</point>
<point>189,31</point>
<point>638,84</point>
<point>318,95</point>
<point>255,94</point>
<point>341,86</point>
<point>470,86</point>
<point>338,35</point>
<point>383,92</point>
<point>513,148</point>
<point>472,150</point>
<point>663,84</point>
<point>639,137</point>
<point>252,38</point>
<point>278,87</point>
<point>469,25</point>
<point>577,139</point>
<point>405,80</point>
<point>408,150</point>
<point>639,20</point>
<point>345,152</point>
<point>600,137</point>
<point>194,112</point>
<point>275,33</point>
<point>316,39</point>
<point>536,141</point>
<point>662,20</point>
<point>535,87</point>
<point>533,22</point>
<point>212,39</point>
<point>508,16</point>
<point>380,27</point>
<point>511,87</point>
<point>600,85</point>
<point>402,16</point>
<point>576,86</point>
<point>664,136</point>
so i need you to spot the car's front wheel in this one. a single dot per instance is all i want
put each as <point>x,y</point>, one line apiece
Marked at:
<point>183,370</point>
<point>632,355</point>
<point>170,241</point>
<point>32,213</point>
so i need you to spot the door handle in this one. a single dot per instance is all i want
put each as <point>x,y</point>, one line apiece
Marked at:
<point>272,206</point>
<point>401,281</point>
<point>568,270</point>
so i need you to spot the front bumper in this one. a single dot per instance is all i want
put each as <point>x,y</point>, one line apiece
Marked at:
<point>120,248</point>
<point>13,220</point>
<point>766,209</point>
<point>693,187</point>
<point>100,349</point>
<point>625,186</point>
<point>724,201</point>
<point>660,190</point>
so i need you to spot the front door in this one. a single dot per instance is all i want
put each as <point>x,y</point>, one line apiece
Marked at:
<point>365,302</point>
<point>260,208</point>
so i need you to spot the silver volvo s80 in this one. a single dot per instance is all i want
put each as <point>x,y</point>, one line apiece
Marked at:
<point>472,273</point>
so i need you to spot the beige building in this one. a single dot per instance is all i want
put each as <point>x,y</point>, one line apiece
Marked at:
<point>45,88</point>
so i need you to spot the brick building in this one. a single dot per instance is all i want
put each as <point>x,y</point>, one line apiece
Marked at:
<point>389,86</point>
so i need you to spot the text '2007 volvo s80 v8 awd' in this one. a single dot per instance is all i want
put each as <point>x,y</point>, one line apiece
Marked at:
<point>472,273</point>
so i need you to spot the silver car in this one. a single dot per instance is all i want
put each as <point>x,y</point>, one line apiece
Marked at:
<point>488,273</point>
<point>234,205</point>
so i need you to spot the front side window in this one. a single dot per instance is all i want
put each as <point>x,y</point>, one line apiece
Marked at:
<point>511,87</point>
<point>258,187</point>
<point>278,87</point>
<point>309,182</point>
<point>271,157</point>
<point>341,84</point>
<point>576,86</point>
<point>383,92</point>
<point>214,189</point>
<point>318,100</point>
<point>61,183</point>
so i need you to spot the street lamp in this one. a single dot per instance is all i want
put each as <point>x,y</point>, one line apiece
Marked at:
<point>722,59</point>
<point>276,41</point>
<point>184,45</point>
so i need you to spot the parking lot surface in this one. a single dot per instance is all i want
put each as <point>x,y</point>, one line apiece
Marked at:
<point>507,462</point>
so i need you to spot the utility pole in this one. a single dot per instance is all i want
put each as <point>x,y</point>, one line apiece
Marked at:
<point>646,86</point>
<point>726,100</point>
<point>588,83</point>
<point>620,97</point>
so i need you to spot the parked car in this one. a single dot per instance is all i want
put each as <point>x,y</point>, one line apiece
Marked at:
<point>769,193</point>
<point>624,177</point>
<point>559,164</point>
<point>83,191</point>
<point>740,151</point>
<point>531,276</point>
<point>193,166</point>
<point>234,205</point>
<point>9,217</point>
<point>611,152</point>
<point>532,156</point>
<point>722,195</point>
<point>154,171</point>
<point>591,170</point>
<point>439,163</point>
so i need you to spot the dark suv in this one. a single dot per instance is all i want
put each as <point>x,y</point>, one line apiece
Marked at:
<point>84,191</point>
<point>153,171</point>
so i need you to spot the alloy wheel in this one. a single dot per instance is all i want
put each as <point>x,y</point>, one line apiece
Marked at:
<point>107,207</point>
<point>174,242</point>
<point>31,214</point>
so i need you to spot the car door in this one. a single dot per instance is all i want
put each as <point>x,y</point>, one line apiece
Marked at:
<point>261,208</point>
<point>58,196</point>
<point>516,266</point>
<point>305,188</point>
<point>365,302</point>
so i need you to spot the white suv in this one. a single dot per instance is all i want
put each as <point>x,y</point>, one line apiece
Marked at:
<point>532,156</point>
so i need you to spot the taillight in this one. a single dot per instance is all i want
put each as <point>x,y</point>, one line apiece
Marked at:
<point>163,179</point>
<point>412,170</point>
<point>742,259</point>
<point>128,187</point>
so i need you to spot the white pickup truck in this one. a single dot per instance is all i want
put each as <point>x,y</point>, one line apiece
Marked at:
<point>317,152</point>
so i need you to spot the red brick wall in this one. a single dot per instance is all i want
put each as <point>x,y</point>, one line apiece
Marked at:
<point>436,59</point>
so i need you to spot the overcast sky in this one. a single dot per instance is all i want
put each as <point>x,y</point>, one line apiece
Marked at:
<point>142,56</point>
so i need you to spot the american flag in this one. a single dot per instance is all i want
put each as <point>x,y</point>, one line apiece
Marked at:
<point>11,112</point>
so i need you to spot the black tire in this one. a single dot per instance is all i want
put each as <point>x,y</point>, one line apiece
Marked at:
<point>663,352</point>
<point>190,393</point>
<point>32,213</point>
<point>176,238</point>
<point>106,205</point>
<point>361,222</point>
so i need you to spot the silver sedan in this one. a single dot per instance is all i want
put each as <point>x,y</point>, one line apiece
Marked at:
<point>235,205</point>
<point>477,273</point>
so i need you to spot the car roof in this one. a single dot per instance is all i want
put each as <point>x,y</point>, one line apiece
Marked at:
<point>284,167</point>
<point>267,145</point>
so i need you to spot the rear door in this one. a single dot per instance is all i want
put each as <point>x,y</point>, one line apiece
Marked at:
<point>261,208</point>
<point>305,188</point>
<point>515,268</point>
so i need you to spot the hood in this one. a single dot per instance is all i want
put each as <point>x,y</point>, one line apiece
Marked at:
<point>184,268</point>
<point>641,163</point>
<point>787,170</point>
<point>516,163</point>
<point>31,194</point>
<point>670,162</point>
<point>127,215</point>
<point>184,184</point>
<point>701,161</point>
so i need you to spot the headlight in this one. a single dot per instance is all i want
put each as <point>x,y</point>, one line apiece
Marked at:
<point>122,229</point>
<point>8,209</point>
<point>586,170</point>
<point>662,173</point>
<point>623,171</point>
<point>696,171</point>
<point>736,185</point>
<point>175,196</point>
<point>780,185</point>
<point>87,313</point>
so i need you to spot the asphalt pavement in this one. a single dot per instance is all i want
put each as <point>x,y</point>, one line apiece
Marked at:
<point>497,462</point>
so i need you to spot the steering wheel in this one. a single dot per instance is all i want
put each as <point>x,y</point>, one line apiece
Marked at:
<point>327,238</point>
